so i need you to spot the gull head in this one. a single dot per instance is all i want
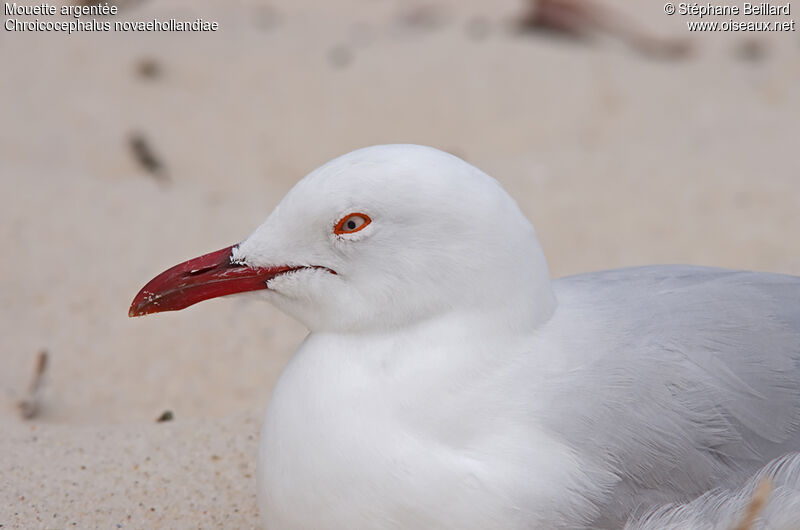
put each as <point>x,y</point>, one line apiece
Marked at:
<point>380,238</point>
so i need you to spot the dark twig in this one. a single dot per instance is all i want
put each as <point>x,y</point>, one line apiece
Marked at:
<point>583,18</point>
<point>29,406</point>
<point>144,155</point>
<point>148,68</point>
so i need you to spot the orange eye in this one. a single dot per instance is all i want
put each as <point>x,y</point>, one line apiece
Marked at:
<point>352,223</point>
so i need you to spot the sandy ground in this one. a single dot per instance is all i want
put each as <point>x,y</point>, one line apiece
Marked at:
<point>618,158</point>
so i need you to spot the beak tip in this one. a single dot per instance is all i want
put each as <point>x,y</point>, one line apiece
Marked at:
<point>142,304</point>
<point>136,310</point>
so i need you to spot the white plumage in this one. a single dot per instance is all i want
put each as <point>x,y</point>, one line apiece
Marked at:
<point>448,382</point>
<point>723,509</point>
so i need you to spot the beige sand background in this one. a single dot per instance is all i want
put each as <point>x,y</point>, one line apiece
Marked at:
<point>618,159</point>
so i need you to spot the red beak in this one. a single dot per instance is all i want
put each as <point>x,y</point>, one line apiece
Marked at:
<point>198,279</point>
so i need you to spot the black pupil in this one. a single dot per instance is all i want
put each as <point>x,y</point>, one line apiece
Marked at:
<point>351,224</point>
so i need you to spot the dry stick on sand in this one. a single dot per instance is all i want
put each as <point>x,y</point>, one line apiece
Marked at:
<point>146,157</point>
<point>29,406</point>
<point>757,503</point>
<point>167,415</point>
<point>581,18</point>
<point>148,68</point>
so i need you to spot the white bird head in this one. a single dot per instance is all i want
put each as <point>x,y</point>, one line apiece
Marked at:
<point>377,239</point>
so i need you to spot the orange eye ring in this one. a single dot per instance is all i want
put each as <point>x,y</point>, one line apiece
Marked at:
<point>352,223</point>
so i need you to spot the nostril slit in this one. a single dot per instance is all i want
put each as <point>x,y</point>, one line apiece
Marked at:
<point>195,272</point>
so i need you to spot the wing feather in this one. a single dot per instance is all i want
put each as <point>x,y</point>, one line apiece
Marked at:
<point>722,509</point>
<point>695,374</point>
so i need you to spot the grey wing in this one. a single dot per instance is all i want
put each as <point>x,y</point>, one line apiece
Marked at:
<point>777,486</point>
<point>696,379</point>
